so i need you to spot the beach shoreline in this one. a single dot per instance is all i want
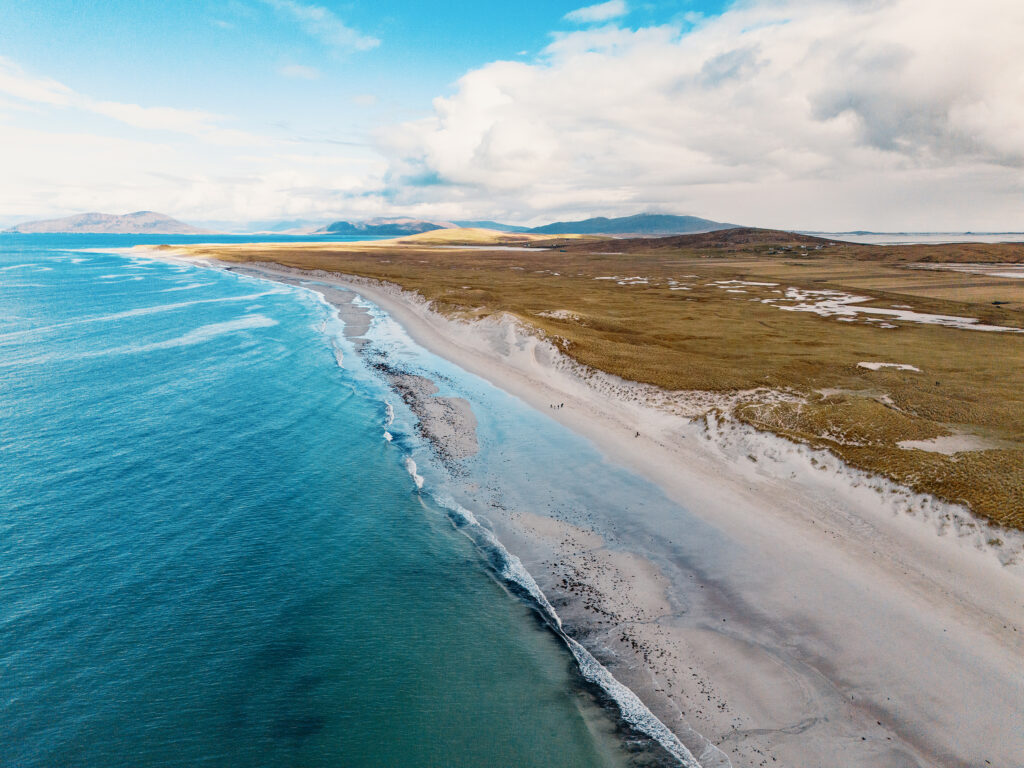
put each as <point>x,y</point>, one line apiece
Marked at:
<point>771,666</point>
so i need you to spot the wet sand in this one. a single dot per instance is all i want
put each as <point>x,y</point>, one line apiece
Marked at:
<point>446,423</point>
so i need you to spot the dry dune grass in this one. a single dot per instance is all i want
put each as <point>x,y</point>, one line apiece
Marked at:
<point>673,323</point>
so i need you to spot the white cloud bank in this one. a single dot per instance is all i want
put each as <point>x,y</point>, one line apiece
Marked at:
<point>826,113</point>
<point>66,152</point>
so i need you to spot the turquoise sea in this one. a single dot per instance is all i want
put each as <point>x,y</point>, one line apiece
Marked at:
<point>210,555</point>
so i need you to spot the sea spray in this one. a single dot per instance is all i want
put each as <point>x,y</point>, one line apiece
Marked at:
<point>389,419</point>
<point>410,467</point>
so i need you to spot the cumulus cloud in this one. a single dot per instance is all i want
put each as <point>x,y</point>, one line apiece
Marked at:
<point>825,114</point>
<point>321,23</point>
<point>591,14</point>
<point>786,112</point>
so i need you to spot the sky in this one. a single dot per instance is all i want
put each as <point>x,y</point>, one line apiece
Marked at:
<point>896,115</point>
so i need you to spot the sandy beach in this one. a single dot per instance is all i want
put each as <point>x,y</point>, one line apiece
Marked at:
<point>805,614</point>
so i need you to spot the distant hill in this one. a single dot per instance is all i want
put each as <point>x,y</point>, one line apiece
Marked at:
<point>480,236</point>
<point>385,227</point>
<point>138,223</point>
<point>733,238</point>
<point>650,224</point>
<point>491,225</point>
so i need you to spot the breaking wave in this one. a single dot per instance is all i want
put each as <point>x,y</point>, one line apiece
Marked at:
<point>189,287</point>
<point>511,569</point>
<point>138,312</point>
<point>410,467</point>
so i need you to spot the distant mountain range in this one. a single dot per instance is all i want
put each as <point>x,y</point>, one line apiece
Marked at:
<point>727,239</point>
<point>386,227</point>
<point>400,227</point>
<point>641,224</point>
<point>491,225</point>
<point>644,224</point>
<point>138,223</point>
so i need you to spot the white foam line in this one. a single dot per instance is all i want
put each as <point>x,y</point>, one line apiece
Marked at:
<point>134,313</point>
<point>410,467</point>
<point>189,287</point>
<point>631,708</point>
<point>195,336</point>
<point>203,333</point>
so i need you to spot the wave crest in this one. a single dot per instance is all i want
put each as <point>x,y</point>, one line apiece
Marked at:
<point>511,569</point>
<point>410,467</point>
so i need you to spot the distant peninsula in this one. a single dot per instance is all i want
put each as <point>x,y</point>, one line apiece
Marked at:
<point>138,223</point>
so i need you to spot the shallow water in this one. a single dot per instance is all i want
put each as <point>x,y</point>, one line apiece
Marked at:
<point>210,555</point>
<point>916,238</point>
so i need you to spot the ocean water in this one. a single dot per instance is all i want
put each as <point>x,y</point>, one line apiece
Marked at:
<point>210,555</point>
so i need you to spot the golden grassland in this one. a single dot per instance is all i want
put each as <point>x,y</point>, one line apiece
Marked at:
<point>479,236</point>
<point>681,331</point>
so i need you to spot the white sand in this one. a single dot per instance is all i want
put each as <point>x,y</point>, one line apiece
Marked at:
<point>828,303</point>
<point>896,366</point>
<point>949,444</point>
